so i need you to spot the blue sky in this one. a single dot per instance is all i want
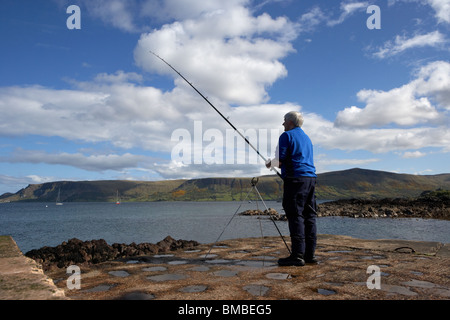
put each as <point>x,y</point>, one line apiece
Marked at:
<point>93,103</point>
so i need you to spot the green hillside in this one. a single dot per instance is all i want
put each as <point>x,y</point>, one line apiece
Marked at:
<point>367,184</point>
<point>354,183</point>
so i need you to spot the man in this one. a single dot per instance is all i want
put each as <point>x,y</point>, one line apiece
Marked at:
<point>295,158</point>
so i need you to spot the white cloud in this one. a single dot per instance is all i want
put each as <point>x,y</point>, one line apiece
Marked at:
<point>119,77</point>
<point>442,8</point>
<point>187,9</point>
<point>398,106</point>
<point>413,154</point>
<point>351,162</point>
<point>348,9</point>
<point>124,114</point>
<point>408,105</point>
<point>324,134</point>
<point>118,13</point>
<point>402,43</point>
<point>13,184</point>
<point>312,19</point>
<point>230,54</point>
<point>434,80</point>
<point>324,162</point>
<point>96,163</point>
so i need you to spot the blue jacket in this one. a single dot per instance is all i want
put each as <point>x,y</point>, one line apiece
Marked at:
<point>296,154</point>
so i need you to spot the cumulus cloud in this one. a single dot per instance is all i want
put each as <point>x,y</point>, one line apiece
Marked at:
<point>326,135</point>
<point>405,106</point>
<point>224,53</point>
<point>442,8</point>
<point>434,80</point>
<point>398,106</point>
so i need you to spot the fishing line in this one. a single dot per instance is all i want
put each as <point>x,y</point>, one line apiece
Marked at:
<point>253,187</point>
<point>246,197</point>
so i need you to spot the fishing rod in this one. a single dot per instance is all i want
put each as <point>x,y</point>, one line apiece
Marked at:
<point>228,121</point>
<point>224,118</point>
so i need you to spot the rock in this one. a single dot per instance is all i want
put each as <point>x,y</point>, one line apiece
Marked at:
<point>437,208</point>
<point>252,213</point>
<point>170,244</point>
<point>80,252</point>
<point>269,212</point>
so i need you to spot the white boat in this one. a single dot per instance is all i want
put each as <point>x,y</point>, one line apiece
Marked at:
<point>58,199</point>
<point>117,198</point>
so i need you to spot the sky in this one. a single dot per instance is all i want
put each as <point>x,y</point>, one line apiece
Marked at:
<point>82,97</point>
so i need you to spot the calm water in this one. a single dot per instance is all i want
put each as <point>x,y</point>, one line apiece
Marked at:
<point>34,225</point>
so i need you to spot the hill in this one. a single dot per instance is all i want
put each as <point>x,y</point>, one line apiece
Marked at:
<point>353,183</point>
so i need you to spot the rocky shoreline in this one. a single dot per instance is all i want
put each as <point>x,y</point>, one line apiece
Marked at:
<point>425,208</point>
<point>80,252</point>
<point>431,208</point>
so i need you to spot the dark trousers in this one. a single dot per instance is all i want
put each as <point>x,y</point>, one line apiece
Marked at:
<point>298,196</point>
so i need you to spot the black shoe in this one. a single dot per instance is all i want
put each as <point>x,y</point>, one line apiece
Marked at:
<point>311,260</point>
<point>292,260</point>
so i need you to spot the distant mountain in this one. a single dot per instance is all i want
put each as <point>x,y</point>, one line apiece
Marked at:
<point>366,184</point>
<point>353,183</point>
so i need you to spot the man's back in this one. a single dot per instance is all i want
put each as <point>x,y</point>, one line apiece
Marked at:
<point>296,154</point>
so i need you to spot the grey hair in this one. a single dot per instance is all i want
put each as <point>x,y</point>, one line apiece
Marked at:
<point>295,117</point>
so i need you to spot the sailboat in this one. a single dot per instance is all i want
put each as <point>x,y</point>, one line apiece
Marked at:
<point>117,198</point>
<point>58,199</point>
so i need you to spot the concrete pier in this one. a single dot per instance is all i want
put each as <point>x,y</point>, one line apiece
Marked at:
<point>22,278</point>
<point>244,269</point>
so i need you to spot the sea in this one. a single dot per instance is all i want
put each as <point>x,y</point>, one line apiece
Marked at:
<point>34,225</point>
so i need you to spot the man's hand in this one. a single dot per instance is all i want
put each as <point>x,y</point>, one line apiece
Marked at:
<point>270,164</point>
